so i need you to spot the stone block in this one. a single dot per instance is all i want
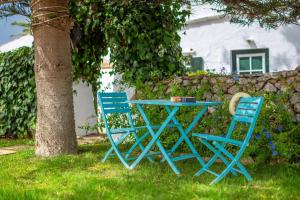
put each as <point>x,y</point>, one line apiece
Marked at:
<point>186,82</point>
<point>295,98</point>
<point>195,81</point>
<point>297,107</point>
<point>291,73</point>
<point>291,80</point>
<point>263,78</point>
<point>297,117</point>
<point>230,80</point>
<point>213,80</point>
<point>269,87</point>
<point>169,89</point>
<point>204,81</point>
<point>297,86</point>
<point>244,81</point>
<point>259,86</point>
<point>233,89</point>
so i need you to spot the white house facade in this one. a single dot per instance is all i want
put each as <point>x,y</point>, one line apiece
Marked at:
<point>216,44</point>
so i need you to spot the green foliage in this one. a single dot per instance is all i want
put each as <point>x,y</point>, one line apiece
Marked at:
<point>268,13</point>
<point>11,8</point>
<point>17,89</point>
<point>281,130</point>
<point>143,38</point>
<point>198,72</point>
<point>88,39</point>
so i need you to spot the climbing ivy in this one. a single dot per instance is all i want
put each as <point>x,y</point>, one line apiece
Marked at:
<point>143,38</point>
<point>17,91</point>
<point>88,40</point>
<point>140,48</point>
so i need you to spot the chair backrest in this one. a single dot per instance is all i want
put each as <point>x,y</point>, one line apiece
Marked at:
<point>113,103</point>
<point>247,111</point>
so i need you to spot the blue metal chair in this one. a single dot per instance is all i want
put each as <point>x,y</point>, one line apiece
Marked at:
<point>247,112</point>
<point>116,103</point>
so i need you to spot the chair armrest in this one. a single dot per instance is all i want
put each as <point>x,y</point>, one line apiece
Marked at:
<point>218,139</point>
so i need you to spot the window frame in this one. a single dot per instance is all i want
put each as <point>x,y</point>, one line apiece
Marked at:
<point>263,55</point>
<point>242,52</point>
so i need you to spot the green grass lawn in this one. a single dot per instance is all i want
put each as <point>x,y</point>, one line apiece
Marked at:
<point>12,142</point>
<point>83,176</point>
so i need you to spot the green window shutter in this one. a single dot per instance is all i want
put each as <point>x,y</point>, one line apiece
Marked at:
<point>196,64</point>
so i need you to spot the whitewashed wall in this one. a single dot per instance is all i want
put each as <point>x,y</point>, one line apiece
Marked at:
<point>213,39</point>
<point>84,105</point>
<point>83,108</point>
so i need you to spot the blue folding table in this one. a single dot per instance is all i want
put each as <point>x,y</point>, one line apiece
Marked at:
<point>172,108</point>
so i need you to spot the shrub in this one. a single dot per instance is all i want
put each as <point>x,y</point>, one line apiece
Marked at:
<point>17,89</point>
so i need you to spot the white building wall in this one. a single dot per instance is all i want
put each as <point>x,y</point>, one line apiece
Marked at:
<point>83,108</point>
<point>83,101</point>
<point>25,41</point>
<point>215,38</point>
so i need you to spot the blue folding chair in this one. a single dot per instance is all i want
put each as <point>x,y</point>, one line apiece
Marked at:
<point>247,112</point>
<point>116,103</point>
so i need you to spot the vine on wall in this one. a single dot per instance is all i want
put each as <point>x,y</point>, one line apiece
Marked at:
<point>17,91</point>
<point>144,40</point>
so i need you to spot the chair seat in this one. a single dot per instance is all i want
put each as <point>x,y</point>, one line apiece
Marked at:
<point>218,139</point>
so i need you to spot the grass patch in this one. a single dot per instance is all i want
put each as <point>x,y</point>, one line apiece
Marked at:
<point>83,176</point>
<point>13,142</point>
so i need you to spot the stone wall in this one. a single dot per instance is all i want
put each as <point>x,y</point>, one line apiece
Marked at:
<point>227,85</point>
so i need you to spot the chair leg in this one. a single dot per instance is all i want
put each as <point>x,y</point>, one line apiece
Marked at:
<point>138,143</point>
<point>206,166</point>
<point>135,145</point>
<point>236,158</point>
<point>217,154</point>
<point>111,148</point>
<point>116,150</point>
<point>224,173</point>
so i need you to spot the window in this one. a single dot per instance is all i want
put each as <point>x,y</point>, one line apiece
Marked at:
<point>195,64</point>
<point>252,61</point>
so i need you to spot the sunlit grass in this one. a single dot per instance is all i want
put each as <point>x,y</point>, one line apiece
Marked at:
<point>12,142</point>
<point>83,176</point>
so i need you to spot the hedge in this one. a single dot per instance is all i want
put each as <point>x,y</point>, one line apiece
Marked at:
<point>17,93</point>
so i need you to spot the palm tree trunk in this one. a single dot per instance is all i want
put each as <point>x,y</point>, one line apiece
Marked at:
<point>55,131</point>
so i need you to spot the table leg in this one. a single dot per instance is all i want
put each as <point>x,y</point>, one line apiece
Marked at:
<point>155,138</point>
<point>184,133</point>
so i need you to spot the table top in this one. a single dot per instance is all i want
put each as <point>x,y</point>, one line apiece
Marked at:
<point>170,103</point>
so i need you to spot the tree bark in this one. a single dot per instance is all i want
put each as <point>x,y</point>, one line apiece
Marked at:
<point>55,131</point>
